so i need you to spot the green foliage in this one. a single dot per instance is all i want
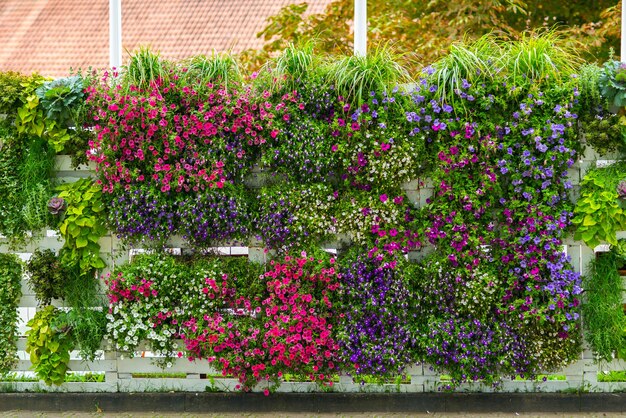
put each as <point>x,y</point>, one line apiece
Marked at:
<point>217,68</point>
<point>600,128</point>
<point>540,56</point>
<point>47,276</point>
<point>356,76</point>
<point>604,133</point>
<point>295,66</point>
<point>10,292</point>
<point>25,168</point>
<point>612,86</point>
<point>82,226</point>
<point>11,156</point>
<point>535,57</point>
<point>87,318</point>
<point>49,344</point>
<point>469,61</point>
<point>29,119</point>
<point>35,183</point>
<point>612,376</point>
<point>58,98</point>
<point>12,90</point>
<point>144,69</point>
<point>599,213</point>
<point>603,313</point>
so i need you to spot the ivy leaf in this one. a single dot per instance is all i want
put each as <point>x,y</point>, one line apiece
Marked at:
<point>589,221</point>
<point>81,242</point>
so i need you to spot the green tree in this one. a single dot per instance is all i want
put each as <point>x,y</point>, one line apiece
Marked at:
<point>425,29</point>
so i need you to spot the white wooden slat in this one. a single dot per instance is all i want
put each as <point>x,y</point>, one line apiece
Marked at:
<point>77,365</point>
<point>87,387</point>
<point>147,365</point>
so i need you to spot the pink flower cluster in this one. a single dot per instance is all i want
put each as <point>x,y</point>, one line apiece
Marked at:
<point>173,135</point>
<point>288,331</point>
<point>118,291</point>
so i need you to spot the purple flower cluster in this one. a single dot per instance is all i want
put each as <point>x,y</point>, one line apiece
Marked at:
<point>375,337</point>
<point>146,215</point>
<point>141,214</point>
<point>217,216</point>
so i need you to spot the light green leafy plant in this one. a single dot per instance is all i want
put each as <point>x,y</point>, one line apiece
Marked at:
<point>81,226</point>
<point>49,344</point>
<point>599,213</point>
<point>30,119</point>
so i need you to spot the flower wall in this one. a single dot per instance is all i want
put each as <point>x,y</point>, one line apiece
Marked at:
<point>472,279</point>
<point>497,296</point>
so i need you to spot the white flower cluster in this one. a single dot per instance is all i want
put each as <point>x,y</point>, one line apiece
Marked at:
<point>479,291</point>
<point>127,325</point>
<point>358,215</point>
<point>312,212</point>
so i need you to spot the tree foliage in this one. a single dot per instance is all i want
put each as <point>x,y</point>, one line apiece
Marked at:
<point>426,29</point>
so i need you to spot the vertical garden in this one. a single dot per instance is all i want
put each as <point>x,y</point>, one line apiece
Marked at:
<point>446,198</point>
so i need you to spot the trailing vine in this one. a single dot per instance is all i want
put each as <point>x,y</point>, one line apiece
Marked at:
<point>10,292</point>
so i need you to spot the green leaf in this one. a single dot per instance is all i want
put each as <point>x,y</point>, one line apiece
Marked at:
<point>53,346</point>
<point>589,221</point>
<point>81,242</point>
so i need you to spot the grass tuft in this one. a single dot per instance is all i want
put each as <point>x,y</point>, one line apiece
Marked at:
<point>356,76</point>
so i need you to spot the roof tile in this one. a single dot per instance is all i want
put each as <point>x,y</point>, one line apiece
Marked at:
<point>52,36</point>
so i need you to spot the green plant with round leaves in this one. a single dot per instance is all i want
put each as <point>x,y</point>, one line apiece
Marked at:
<point>612,83</point>
<point>82,226</point>
<point>599,213</point>
<point>59,97</point>
<point>47,276</point>
<point>49,344</point>
<point>10,292</point>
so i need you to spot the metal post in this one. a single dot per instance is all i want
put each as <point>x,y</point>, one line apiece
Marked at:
<point>360,27</point>
<point>115,33</point>
<point>622,51</point>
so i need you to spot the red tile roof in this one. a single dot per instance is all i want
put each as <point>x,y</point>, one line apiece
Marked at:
<point>52,36</point>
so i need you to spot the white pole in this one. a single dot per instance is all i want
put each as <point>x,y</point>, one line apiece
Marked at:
<point>622,55</point>
<point>360,27</point>
<point>115,33</point>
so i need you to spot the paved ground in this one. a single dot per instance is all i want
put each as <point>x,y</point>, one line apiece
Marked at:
<point>29,414</point>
